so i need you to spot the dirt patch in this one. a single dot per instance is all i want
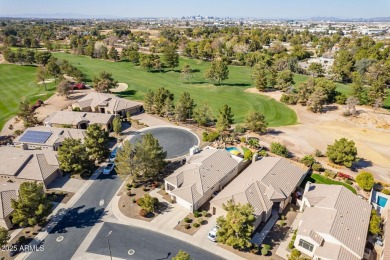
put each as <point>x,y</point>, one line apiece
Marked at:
<point>369,130</point>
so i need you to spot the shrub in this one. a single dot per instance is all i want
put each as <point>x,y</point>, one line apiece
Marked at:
<point>239,128</point>
<point>210,137</point>
<point>187,220</point>
<point>243,139</point>
<point>318,153</point>
<point>22,239</point>
<point>134,200</point>
<point>330,174</point>
<point>197,214</point>
<point>129,185</point>
<point>348,181</point>
<point>344,176</point>
<point>196,225</point>
<point>289,99</point>
<point>279,149</point>
<point>135,185</point>
<point>291,244</point>
<point>18,132</point>
<point>248,154</point>
<point>265,249</point>
<point>144,188</point>
<point>143,212</point>
<point>342,152</point>
<point>204,213</point>
<point>205,137</point>
<point>365,180</point>
<point>128,193</point>
<point>254,249</point>
<point>317,167</point>
<point>308,160</point>
<point>263,153</point>
<point>386,191</point>
<point>188,226</point>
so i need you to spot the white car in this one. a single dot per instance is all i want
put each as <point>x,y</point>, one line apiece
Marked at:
<point>107,170</point>
<point>213,234</point>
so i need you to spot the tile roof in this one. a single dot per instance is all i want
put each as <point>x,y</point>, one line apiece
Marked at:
<point>75,118</point>
<point>110,101</point>
<point>201,173</point>
<point>336,211</point>
<point>263,182</point>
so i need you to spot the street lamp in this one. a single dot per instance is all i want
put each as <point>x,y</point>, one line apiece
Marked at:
<point>108,242</point>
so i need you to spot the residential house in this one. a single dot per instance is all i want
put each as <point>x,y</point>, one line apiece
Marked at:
<point>8,192</point>
<point>17,165</point>
<point>204,173</point>
<point>46,138</point>
<point>334,223</point>
<point>107,104</point>
<point>266,184</point>
<point>78,120</point>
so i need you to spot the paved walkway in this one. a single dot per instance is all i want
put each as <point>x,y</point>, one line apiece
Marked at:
<point>164,223</point>
<point>282,249</point>
<point>67,184</point>
<point>259,237</point>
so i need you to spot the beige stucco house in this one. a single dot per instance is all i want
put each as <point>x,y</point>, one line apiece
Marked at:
<point>194,183</point>
<point>334,223</point>
<point>266,184</point>
<point>50,138</point>
<point>107,104</point>
<point>79,120</point>
<point>8,192</point>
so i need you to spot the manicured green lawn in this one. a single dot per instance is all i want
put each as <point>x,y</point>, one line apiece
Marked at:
<point>317,178</point>
<point>17,82</point>
<point>232,92</point>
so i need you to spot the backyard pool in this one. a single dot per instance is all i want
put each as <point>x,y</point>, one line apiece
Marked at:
<point>231,149</point>
<point>382,201</point>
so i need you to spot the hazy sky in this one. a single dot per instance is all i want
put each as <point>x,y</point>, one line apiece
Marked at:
<point>178,8</point>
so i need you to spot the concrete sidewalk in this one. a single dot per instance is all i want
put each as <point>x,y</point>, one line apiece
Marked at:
<point>199,239</point>
<point>259,237</point>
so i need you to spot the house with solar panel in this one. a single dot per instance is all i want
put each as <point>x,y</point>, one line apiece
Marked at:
<point>107,104</point>
<point>334,223</point>
<point>79,120</point>
<point>46,138</point>
<point>268,184</point>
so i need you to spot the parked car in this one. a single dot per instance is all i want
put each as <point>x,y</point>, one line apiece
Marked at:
<point>215,193</point>
<point>113,154</point>
<point>78,86</point>
<point>213,234</point>
<point>107,170</point>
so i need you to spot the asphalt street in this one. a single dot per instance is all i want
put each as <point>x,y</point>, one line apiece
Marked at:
<point>175,141</point>
<point>78,221</point>
<point>128,242</point>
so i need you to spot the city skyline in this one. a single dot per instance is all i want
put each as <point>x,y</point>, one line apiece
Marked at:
<point>301,9</point>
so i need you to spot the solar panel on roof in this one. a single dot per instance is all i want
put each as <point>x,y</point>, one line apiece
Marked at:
<point>38,137</point>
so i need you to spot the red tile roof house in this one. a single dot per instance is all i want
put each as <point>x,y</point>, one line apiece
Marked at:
<point>334,223</point>
<point>194,183</point>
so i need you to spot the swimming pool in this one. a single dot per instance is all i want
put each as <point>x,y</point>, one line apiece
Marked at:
<point>382,201</point>
<point>232,150</point>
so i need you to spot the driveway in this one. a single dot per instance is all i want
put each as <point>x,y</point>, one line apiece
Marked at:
<point>67,184</point>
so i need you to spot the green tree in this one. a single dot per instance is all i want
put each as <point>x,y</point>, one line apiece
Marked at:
<point>187,73</point>
<point>365,180</point>
<point>104,82</point>
<point>143,160</point>
<point>73,156</point>
<point>53,68</point>
<point>182,255</point>
<point>375,223</point>
<point>169,107</point>
<point>236,228</point>
<point>295,255</point>
<point>279,149</point>
<point>63,88</point>
<point>117,125</point>
<point>90,49</point>
<point>342,152</point>
<point>148,202</point>
<point>308,160</point>
<point>113,54</point>
<point>255,121</point>
<point>171,57</point>
<point>32,206</point>
<point>203,114</point>
<point>41,76</point>
<point>284,80</point>
<point>103,52</point>
<point>27,114</point>
<point>259,76</point>
<point>316,100</point>
<point>20,56</point>
<point>159,100</point>
<point>343,65</point>
<point>225,118</point>
<point>145,62</point>
<point>96,142</point>
<point>217,72</point>
<point>149,101</point>
<point>315,69</point>
<point>42,57</point>
<point>184,107</point>
<point>4,236</point>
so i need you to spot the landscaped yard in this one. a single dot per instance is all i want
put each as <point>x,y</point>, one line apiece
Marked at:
<point>17,82</point>
<point>231,92</point>
<point>317,178</point>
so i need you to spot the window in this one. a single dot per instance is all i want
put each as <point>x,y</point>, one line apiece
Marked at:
<point>306,245</point>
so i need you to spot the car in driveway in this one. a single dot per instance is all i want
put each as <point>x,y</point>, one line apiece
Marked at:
<point>113,154</point>
<point>213,234</point>
<point>108,169</point>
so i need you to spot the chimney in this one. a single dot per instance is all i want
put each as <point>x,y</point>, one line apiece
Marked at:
<point>254,157</point>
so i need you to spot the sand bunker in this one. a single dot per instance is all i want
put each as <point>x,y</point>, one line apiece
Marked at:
<point>121,87</point>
